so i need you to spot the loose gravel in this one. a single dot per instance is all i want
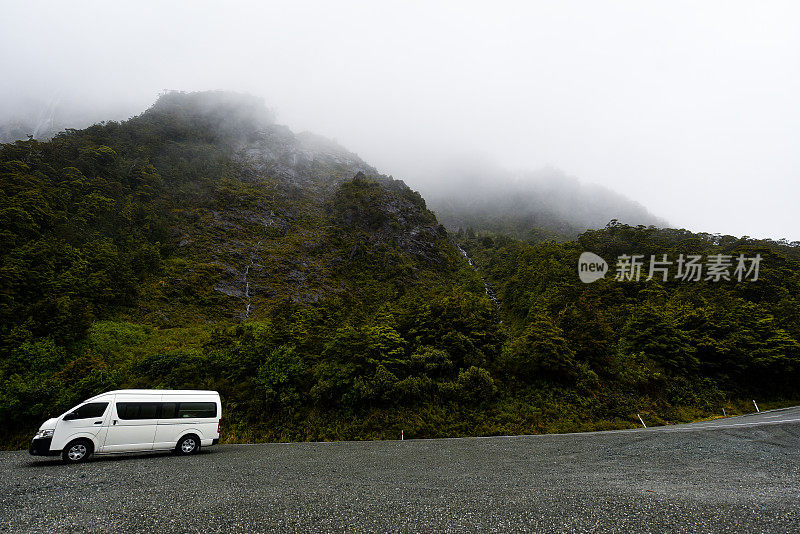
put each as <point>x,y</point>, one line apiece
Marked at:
<point>740,474</point>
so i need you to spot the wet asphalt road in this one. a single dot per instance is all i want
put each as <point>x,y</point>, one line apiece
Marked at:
<point>740,474</point>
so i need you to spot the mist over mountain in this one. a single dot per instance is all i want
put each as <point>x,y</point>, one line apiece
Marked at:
<point>547,203</point>
<point>43,117</point>
<point>468,192</point>
<point>689,112</point>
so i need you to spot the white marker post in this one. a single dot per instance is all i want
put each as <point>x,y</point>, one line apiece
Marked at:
<point>402,435</point>
<point>723,413</point>
<point>756,405</point>
<point>640,419</point>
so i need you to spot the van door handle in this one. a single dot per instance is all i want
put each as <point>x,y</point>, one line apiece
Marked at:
<point>98,422</point>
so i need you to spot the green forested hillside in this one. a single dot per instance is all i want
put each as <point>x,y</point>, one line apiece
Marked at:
<point>674,342</point>
<point>200,245</point>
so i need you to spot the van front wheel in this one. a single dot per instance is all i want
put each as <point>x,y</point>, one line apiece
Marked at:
<point>77,451</point>
<point>188,445</point>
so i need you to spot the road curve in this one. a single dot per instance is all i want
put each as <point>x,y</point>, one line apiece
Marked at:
<point>739,474</point>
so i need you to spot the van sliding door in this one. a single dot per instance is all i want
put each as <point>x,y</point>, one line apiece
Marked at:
<point>133,425</point>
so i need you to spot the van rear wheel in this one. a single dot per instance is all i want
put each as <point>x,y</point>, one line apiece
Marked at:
<point>189,444</point>
<point>77,451</point>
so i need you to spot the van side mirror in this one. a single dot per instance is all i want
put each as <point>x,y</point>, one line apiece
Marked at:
<point>70,416</point>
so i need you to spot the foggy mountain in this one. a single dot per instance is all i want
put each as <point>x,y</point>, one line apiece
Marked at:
<point>689,112</point>
<point>533,204</point>
<point>468,193</point>
<point>262,215</point>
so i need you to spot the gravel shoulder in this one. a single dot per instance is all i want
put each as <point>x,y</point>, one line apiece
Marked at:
<point>740,474</point>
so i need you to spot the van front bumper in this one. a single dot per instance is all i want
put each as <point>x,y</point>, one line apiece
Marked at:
<point>41,447</point>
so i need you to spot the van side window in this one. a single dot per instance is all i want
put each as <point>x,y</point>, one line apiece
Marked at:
<point>197,409</point>
<point>165,410</point>
<point>93,409</point>
<point>137,410</point>
<point>168,410</point>
<point>148,410</point>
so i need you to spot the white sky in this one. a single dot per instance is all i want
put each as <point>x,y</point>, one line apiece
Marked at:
<point>690,108</point>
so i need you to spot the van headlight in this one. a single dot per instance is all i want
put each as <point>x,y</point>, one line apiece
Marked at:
<point>45,433</point>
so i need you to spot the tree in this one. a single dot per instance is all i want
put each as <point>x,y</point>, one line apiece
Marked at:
<point>541,352</point>
<point>651,331</point>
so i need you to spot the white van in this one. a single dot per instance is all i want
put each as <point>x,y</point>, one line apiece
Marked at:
<point>132,420</point>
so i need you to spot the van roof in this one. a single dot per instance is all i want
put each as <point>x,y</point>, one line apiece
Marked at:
<point>161,392</point>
